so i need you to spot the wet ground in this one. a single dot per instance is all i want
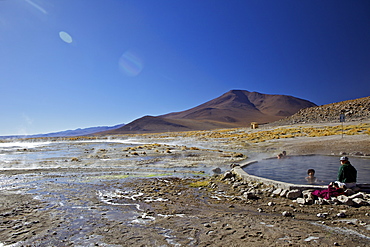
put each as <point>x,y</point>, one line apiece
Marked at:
<point>82,209</point>
<point>72,182</point>
<point>148,192</point>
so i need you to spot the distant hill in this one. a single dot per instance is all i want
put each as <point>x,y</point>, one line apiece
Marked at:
<point>80,132</point>
<point>66,133</point>
<point>236,108</point>
<point>353,110</point>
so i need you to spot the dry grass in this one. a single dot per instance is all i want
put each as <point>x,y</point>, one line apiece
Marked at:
<point>198,184</point>
<point>256,136</point>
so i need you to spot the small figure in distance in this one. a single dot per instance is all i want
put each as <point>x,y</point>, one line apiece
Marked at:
<point>311,179</point>
<point>282,155</point>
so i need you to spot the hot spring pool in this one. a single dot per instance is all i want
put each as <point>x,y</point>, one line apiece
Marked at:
<point>294,169</point>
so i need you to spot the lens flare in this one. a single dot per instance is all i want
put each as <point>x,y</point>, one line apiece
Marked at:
<point>65,37</point>
<point>130,63</point>
<point>38,7</point>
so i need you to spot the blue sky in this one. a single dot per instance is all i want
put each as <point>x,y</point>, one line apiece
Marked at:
<point>82,63</point>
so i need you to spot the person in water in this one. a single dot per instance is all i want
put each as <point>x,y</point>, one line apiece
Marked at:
<point>282,155</point>
<point>347,173</point>
<point>311,176</point>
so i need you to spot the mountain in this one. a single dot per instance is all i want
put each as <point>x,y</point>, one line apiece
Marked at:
<point>66,133</point>
<point>236,108</point>
<point>79,131</point>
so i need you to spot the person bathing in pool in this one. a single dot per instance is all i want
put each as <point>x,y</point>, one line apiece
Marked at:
<point>311,179</point>
<point>282,155</point>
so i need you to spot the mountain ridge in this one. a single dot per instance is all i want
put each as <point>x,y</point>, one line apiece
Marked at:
<point>235,108</point>
<point>67,133</point>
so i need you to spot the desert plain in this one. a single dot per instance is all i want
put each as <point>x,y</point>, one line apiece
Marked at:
<point>161,190</point>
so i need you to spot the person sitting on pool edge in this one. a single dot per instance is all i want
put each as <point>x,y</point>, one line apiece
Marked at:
<point>311,176</point>
<point>347,173</point>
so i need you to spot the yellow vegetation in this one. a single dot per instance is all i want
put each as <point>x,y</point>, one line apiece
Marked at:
<point>243,135</point>
<point>197,184</point>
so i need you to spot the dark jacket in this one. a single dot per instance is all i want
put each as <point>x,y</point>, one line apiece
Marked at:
<point>347,173</point>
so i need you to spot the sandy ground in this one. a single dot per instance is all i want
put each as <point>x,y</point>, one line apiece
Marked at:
<point>81,207</point>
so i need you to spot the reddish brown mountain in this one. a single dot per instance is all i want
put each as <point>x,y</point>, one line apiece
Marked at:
<point>236,108</point>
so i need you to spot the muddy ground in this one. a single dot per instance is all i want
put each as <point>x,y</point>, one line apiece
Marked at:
<point>80,205</point>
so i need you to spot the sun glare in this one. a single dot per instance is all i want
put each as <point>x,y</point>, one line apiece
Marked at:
<point>130,63</point>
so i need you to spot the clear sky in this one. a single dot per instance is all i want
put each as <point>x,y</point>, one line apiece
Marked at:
<point>67,64</point>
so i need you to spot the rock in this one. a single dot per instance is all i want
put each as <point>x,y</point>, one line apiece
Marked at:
<point>361,223</point>
<point>341,215</point>
<point>334,200</point>
<point>308,194</point>
<point>216,170</point>
<point>237,184</point>
<point>319,201</point>
<point>277,191</point>
<point>360,202</point>
<point>271,204</point>
<point>233,165</point>
<point>342,198</point>
<point>301,201</point>
<point>357,195</point>
<point>150,213</point>
<point>293,194</point>
<point>283,193</point>
<point>250,195</point>
<point>269,190</point>
<point>286,214</point>
<point>212,185</point>
<point>345,200</point>
<point>75,159</point>
<point>310,201</point>
<point>357,153</point>
<point>227,175</point>
<point>238,155</point>
<point>257,192</point>
<point>322,215</point>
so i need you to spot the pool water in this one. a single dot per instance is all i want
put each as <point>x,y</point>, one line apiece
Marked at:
<point>294,169</point>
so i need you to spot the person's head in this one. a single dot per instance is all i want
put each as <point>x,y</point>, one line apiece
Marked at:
<point>343,159</point>
<point>311,172</point>
<point>284,153</point>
